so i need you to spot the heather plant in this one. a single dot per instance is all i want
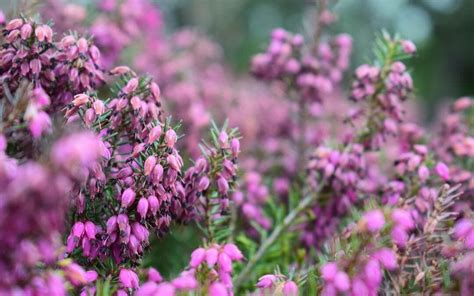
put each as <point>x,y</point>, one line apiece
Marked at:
<point>111,144</point>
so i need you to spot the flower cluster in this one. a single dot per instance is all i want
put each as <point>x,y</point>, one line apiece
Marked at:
<point>33,208</point>
<point>139,178</point>
<point>271,283</point>
<point>383,88</point>
<point>339,176</point>
<point>314,75</point>
<point>361,273</point>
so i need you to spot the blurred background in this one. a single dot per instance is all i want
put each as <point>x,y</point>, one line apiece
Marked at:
<point>443,31</point>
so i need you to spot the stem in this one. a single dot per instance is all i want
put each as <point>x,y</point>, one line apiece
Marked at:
<point>302,118</point>
<point>287,222</point>
<point>321,6</point>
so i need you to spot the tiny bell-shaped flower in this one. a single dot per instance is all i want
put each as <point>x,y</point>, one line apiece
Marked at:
<point>128,197</point>
<point>233,252</point>
<point>222,185</point>
<point>154,275</point>
<point>131,86</point>
<point>218,289</point>
<point>90,229</point>
<point>128,278</point>
<point>153,203</point>
<point>197,257</point>
<point>80,100</point>
<point>154,134</point>
<point>78,229</point>
<point>408,46</point>
<point>223,140</point>
<point>290,289</point>
<point>142,207</point>
<point>235,147</point>
<point>99,107</point>
<point>211,256</point>
<point>155,91</point>
<point>373,220</point>
<point>26,31</point>
<point>150,163</point>
<point>203,183</point>
<point>170,138</point>
<point>225,263</point>
<point>442,170</point>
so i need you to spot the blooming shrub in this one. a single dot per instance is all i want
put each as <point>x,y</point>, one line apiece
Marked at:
<point>303,189</point>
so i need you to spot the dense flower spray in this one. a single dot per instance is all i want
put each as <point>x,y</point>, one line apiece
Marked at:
<point>318,192</point>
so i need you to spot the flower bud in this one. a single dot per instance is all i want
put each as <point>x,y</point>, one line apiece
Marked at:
<point>154,275</point>
<point>131,86</point>
<point>342,281</point>
<point>14,24</point>
<point>290,289</point>
<point>99,107</point>
<point>90,229</point>
<point>211,257</point>
<point>128,197</point>
<point>40,33</point>
<point>111,224</point>
<point>173,162</point>
<point>225,264</point>
<point>222,185</point>
<point>235,147</point>
<point>155,91</point>
<point>26,31</point>
<point>82,45</point>
<point>153,203</point>
<point>154,134</point>
<point>197,257</point>
<point>128,278</point>
<point>170,138</point>
<point>233,252</point>
<point>142,207</point>
<point>203,183</point>
<point>80,100</point>
<point>374,220</point>
<point>408,46</point>
<point>442,170</point>
<point>223,140</point>
<point>78,229</point>
<point>150,163</point>
<point>218,289</point>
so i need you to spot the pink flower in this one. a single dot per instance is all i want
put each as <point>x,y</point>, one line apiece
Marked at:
<point>408,46</point>
<point>218,289</point>
<point>374,220</point>
<point>128,197</point>
<point>342,281</point>
<point>170,138</point>
<point>403,218</point>
<point>266,281</point>
<point>149,165</point>
<point>128,278</point>
<point>197,257</point>
<point>142,207</point>
<point>329,271</point>
<point>442,170</point>
<point>387,257</point>
<point>211,256</point>
<point>154,275</point>
<point>290,288</point>
<point>224,262</point>
<point>39,124</point>
<point>233,252</point>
